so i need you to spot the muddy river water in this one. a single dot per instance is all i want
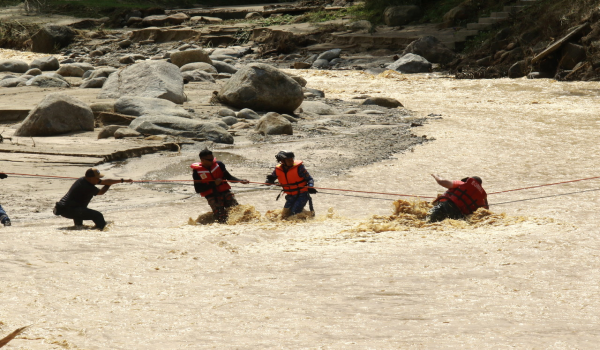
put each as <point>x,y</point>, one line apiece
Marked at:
<point>528,279</point>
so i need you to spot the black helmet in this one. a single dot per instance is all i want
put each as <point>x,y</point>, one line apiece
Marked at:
<point>284,155</point>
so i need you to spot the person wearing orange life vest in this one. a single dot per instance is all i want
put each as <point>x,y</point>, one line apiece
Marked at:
<point>211,178</point>
<point>462,198</point>
<point>295,181</point>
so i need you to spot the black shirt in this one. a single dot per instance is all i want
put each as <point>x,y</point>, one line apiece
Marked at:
<point>202,186</point>
<point>80,194</point>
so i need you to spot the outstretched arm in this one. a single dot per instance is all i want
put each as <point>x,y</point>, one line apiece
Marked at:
<point>109,182</point>
<point>442,182</point>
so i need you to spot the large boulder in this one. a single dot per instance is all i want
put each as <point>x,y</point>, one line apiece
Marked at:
<point>157,79</point>
<point>411,63</point>
<point>395,16</point>
<point>45,63</point>
<point>274,124</point>
<point>52,37</point>
<point>432,49</point>
<point>183,127</point>
<point>14,66</point>
<point>57,114</point>
<point>181,58</point>
<point>262,87</point>
<point>138,106</point>
<point>208,68</point>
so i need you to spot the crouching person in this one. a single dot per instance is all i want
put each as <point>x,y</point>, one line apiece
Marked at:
<point>295,181</point>
<point>210,180</point>
<point>74,205</point>
<point>462,198</point>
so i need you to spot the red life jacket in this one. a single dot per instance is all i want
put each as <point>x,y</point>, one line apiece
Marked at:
<point>290,181</point>
<point>466,196</point>
<point>208,176</point>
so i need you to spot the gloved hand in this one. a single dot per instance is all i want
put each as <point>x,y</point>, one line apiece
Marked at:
<point>312,190</point>
<point>3,176</point>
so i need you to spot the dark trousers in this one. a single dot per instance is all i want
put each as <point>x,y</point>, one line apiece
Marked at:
<point>444,210</point>
<point>219,203</point>
<point>79,214</point>
<point>296,203</point>
<point>3,215</point>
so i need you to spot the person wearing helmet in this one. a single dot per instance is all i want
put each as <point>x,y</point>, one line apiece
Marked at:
<point>211,181</point>
<point>295,181</point>
<point>462,198</point>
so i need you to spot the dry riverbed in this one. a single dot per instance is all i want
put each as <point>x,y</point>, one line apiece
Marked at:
<point>527,279</point>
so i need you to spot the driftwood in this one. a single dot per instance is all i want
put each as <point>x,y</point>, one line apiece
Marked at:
<point>11,336</point>
<point>556,45</point>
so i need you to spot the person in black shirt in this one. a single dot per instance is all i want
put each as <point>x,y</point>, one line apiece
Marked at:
<point>211,182</point>
<point>74,204</point>
<point>4,219</point>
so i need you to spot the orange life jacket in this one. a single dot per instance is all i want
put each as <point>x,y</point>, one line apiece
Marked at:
<point>290,181</point>
<point>466,196</point>
<point>208,176</point>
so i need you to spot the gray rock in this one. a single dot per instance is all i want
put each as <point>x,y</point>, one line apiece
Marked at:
<point>138,106</point>
<point>222,58</point>
<point>319,108</point>
<point>183,127</point>
<point>95,83</point>
<point>223,67</point>
<point>315,92</point>
<point>226,112</point>
<point>181,58</point>
<point>126,60</point>
<point>229,120</point>
<point>320,63</point>
<point>262,87</point>
<point>387,102</point>
<point>100,107</point>
<point>96,53</point>
<point>47,81</point>
<point>203,66</point>
<point>232,51</point>
<point>52,37</point>
<point>84,66</point>
<point>351,111</point>
<point>299,80</point>
<point>124,44</point>
<point>157,79</point>
<point>12,82</point>
<point>330,54</point>
<point>9,76</point>
<point>432,49</point>
<point>70,70</point>
<point>87,74</point>
<point>247,113</point>
<point>101,72</point>
<point>34,72</point>
<point>221,76</point>
<point>290,118</point>
<point>395,16</point>
<point>198,75</point>
<point>57,114</point>
<point>274,124</point>
<point>111,118</point>
<point>45,63</point>
<point>126,132</point>
<point>109,131</point>
<point>14,66</point>
<point>411,63</point>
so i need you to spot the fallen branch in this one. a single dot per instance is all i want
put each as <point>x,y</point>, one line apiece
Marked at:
<point>11,336</point>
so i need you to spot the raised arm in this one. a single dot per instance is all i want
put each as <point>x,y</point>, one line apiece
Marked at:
<point>442,182</point>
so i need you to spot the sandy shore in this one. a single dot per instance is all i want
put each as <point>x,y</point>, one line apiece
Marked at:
<point>151,281</point>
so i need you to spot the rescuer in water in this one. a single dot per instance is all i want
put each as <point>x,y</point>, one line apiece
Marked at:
<point>462,198</point>
<point>212,183</point>
<point>295,181</point>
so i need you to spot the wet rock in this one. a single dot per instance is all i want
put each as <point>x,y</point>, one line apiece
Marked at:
<point>226,112</point>
<point>70,70</point>
<point>301,65</point>
<point>109,131</point>
<point>126,132</point>
<point>182,58</point>
<point>229,120</point>
<point>274,124</point>
<point>395,16</point>
<point>14,66</point>
<point>223,67</point>
<point>45,63</point>
<point>57,114</point>
<point>262,87</point>
<point>387,102</point>
<point>330,54</point>
<point>52,37</point>
<point>34,72</point>
<point>321,64</point>
<point>571,55</point>
<point>47,81</point>
<point>198,75</point>
<point>110,118</point>
<point>319,108</point>
<point>138,106</point>
<point>157,79</point>
<point>432,49</point>
<point>95,83</point>
<point>247,113</point>
<point>203,66</point>
<point>518,70</point>
<point>411,63</point>
<point>182,127</point>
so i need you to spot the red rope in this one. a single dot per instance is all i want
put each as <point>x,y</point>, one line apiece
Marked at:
<point>552,184</point>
